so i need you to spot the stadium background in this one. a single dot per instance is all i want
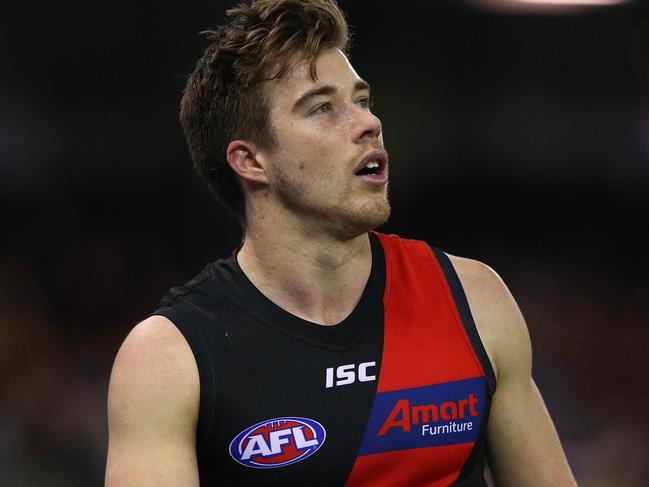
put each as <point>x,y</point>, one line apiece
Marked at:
<point>520,139</point>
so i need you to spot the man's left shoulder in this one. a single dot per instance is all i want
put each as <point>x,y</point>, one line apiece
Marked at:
<point>495,311</point>
<point>478,279</point>
<point>483,285</point>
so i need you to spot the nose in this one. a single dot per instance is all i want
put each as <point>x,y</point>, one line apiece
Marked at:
<point>364,124</point>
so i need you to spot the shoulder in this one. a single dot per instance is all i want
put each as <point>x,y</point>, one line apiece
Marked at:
<point>154,367</point>
<point>497,316</point>
<point>482,284</point>
<point>154,339</point>
<point>153,402</point>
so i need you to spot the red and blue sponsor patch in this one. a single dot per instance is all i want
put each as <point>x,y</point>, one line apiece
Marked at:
<point>277,442</point>
<point>441,414</point>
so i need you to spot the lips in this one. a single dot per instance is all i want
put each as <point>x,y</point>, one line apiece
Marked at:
<point>373,164</point>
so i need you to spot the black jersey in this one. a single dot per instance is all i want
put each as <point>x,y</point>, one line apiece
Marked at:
<point>284,401</point>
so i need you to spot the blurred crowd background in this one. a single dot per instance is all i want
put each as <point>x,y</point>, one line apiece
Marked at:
<point>517,137</point>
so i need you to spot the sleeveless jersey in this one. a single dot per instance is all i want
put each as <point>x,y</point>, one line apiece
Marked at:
<point>397,394</point>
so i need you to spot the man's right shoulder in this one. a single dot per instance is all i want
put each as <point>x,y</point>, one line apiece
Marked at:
<point>154,364</point>
<point>156,343</point>
<point>151,336</point>
<point>153,403</point>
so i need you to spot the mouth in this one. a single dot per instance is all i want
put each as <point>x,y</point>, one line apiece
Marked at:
<point>373,166</point>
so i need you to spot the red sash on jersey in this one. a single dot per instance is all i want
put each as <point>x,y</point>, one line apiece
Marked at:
<point>430,398</point>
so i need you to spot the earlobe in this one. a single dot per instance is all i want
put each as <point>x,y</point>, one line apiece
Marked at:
<point>242,158</point>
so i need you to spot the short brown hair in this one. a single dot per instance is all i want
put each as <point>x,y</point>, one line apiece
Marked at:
<point>224,100</point>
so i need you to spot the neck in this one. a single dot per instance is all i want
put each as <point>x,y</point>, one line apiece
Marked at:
<point>316,277</point>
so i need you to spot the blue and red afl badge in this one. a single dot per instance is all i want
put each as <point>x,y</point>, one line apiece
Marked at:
<point>277,442</point>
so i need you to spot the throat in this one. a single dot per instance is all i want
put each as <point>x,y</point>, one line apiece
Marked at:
<point>306,287</point>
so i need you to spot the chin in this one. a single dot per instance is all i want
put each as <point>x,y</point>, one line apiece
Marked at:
<point>379,215</point>
<point>360,221</point>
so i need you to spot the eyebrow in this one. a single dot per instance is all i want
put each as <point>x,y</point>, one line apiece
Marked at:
<point>325,90</point>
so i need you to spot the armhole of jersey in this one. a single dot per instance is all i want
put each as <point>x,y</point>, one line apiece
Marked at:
<point>206,373</point>
<point>464,311</point>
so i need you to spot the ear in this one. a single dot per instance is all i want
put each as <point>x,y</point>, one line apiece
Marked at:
<point>242,158</point>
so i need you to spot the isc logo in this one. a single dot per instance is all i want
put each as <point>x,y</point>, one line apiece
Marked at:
<point>277,442</point>
<point>346,374</point>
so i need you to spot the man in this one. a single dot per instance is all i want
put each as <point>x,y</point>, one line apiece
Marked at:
<point>319,353</point>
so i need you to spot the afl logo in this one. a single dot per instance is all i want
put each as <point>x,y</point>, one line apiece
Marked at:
<point>277,442</point>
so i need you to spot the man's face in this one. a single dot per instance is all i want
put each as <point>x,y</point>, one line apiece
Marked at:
<point>328,166</point>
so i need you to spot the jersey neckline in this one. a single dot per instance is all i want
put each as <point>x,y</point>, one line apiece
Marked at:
<point>367,313</point>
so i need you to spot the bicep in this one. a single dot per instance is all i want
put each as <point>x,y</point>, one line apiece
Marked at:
<point>523,445</point>
<point>153,409</point>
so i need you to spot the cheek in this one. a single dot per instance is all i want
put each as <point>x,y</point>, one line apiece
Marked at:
<point>304,148</point>
<point>319,159</point>
<point>313,152</point>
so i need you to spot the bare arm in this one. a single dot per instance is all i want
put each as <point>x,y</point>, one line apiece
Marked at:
<point>523,443</point>
<point>153,409</point>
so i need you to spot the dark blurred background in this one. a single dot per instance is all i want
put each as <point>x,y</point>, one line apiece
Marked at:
<point>519,137</point>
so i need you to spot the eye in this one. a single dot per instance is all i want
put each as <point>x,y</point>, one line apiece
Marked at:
<point>366,103</point>
<point>322,108</point>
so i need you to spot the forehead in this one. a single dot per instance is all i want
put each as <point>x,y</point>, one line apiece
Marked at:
<point>332,68</point>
